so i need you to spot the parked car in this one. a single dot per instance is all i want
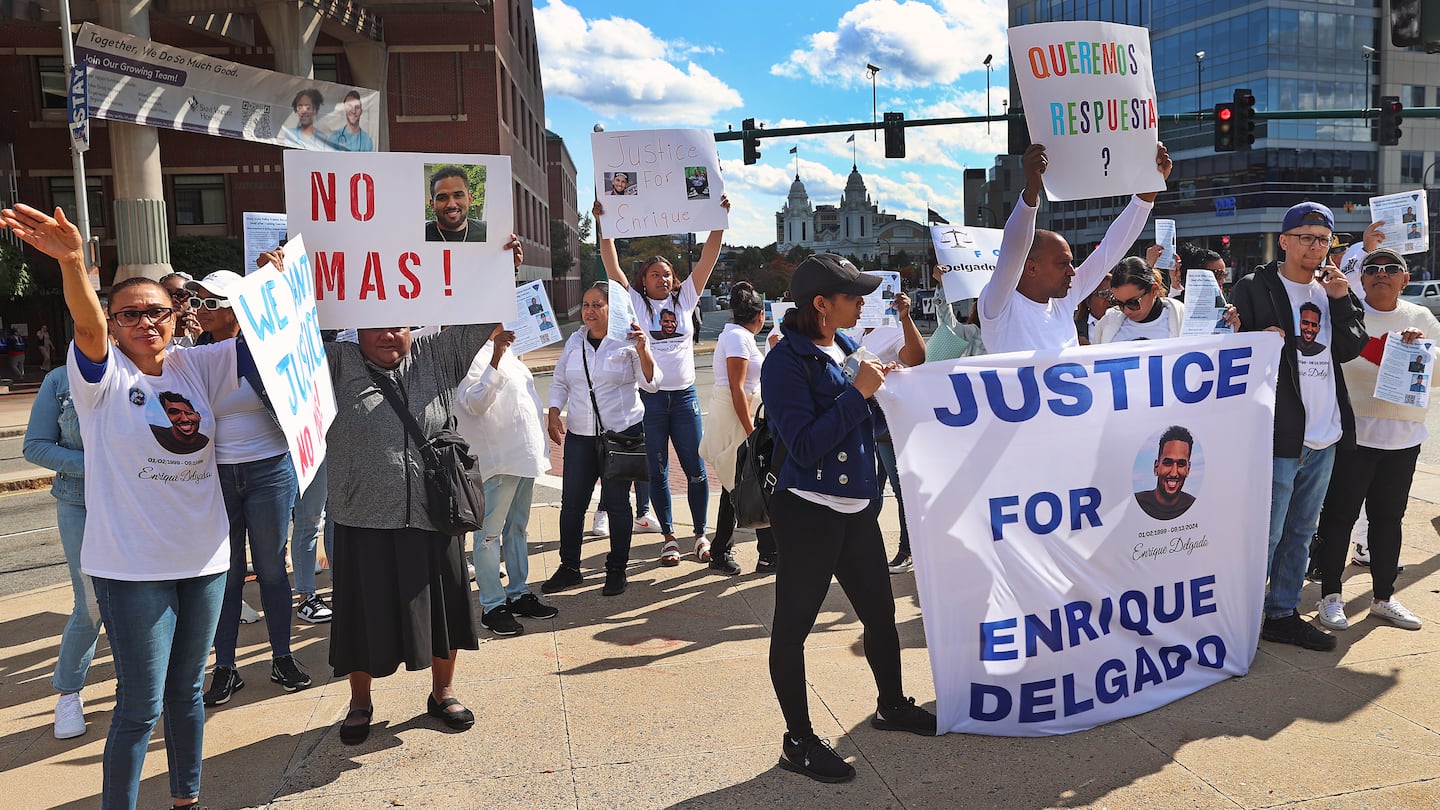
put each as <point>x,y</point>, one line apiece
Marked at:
<point>722,301</point>
<point>1424,293</point>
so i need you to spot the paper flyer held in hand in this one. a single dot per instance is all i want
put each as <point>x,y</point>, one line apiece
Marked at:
<point>535,324</point>
<point>879,307</point>
<point>1165,238</point>
<point>1406,218</point>
<point>1405,371</point>
<point>622,313</point>
<point>263,232</point>
<point>1204,306</point>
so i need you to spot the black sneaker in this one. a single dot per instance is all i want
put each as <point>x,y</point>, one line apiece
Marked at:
<point>501,622</point>
<point>905,717</point>
<point>564,577</point>
<point>615,583</point>
<point>725,564</point>
<point>767,564</point>
<point>531,607</point>
<point>224,683</point>
<point>1294,630</point>
<point>815,758</point>
<point>314,610</point>
<point>286,672</point>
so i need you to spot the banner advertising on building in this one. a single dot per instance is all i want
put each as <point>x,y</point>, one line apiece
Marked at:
<point>277,316</point>
<point>657,182</point>
<point>404,238</point>
<point>1089,525</point>
<point>144,82</point>
<point>1089,96</point>
<point>966,257</point>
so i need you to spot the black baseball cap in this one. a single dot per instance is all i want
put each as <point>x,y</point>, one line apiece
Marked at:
<point>829,274</point>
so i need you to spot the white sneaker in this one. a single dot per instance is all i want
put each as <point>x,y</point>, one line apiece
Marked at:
<point>1332,612</point>
<point>646,524</point>
<point>601,525</point>
<point>248,615</point>
<point>69,716</point>
<point>1361,555</point>
<point>1391,611</point>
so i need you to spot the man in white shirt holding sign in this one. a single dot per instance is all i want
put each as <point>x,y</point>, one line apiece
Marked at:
<point>1030,301</point>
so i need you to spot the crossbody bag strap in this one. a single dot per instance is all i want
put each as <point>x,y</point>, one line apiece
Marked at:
<point>387,388</point>
<point>599,428</point>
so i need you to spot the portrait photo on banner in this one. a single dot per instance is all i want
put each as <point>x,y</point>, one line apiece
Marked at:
<point>454,203</point>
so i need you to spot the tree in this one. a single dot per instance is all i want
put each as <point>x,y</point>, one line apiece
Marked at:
<point>798,254</point>
<point>15,279</point>
<point>202,255</point>
<point>561,259</point>
<point>590,271</point>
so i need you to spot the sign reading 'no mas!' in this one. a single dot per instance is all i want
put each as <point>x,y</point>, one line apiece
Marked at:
<point>1089,97</point>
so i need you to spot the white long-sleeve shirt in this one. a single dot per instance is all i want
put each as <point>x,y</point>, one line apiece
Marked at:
<point>615,370</point>
<point>498,412</point>
<point>1012,322</point>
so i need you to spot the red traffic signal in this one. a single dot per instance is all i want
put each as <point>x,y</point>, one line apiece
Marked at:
<point>1224,113</point>
<point>1388,133</point>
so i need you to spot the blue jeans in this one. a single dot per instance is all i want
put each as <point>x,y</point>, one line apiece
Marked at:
<point>258,498</point>
<point>310,521</point>
<point>581,471</point>
<point>507,512</point>
<point>77,644</point>
<point>674,417</point>
<point>160,635</point>
<point>1296,494</point>
<point>885,452</point>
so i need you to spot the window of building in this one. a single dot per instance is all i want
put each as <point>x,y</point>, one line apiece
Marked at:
<point>327,67</point>
<point>62,193</point>
<point>54,88</point>
<point>431,84</point>
<point>1412,167</point>
<point>199,199</point>
<point>1412,95</point>
<point>505,95</point>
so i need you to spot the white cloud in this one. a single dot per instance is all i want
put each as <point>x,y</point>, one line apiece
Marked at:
<point>616,66</point>
<point>915,43</point>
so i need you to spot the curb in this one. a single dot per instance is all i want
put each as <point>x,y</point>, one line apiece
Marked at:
<point>27,484</point>
<point>11,432</point>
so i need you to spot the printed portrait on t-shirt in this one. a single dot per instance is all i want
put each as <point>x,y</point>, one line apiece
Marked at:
<point>1309,343</point>
<point>1164,467</point>
<point>180,431</point>
<point>669,324</point>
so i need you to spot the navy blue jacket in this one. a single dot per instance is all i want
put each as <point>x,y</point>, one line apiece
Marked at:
<point>825,423</point>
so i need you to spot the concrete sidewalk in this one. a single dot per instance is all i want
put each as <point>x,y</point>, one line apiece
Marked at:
<point>661,697</point>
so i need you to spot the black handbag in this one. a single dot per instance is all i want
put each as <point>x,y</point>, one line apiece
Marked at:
<point>757,468</point>
<point>622,457</point>
<point>454,487</point>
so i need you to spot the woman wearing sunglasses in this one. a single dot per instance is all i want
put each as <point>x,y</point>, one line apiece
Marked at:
<point>158,551</point>
<point>1142,312</point>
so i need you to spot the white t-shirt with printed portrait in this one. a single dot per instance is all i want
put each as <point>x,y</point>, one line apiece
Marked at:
<point>672,339</point>
<point>1317,387</point>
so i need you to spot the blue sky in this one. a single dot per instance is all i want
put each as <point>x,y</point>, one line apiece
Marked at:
<point>637,65</point>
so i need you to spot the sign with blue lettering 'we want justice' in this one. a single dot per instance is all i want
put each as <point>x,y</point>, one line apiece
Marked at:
<point>1089,526</point>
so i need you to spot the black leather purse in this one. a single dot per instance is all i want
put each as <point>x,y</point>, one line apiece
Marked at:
<point>622,457</point>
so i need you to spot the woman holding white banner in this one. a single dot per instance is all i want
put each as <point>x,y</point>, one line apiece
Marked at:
<point>665,306</point>
<point>158,548</point>
<point>826,505</point>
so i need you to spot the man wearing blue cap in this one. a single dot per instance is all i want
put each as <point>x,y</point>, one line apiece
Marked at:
<point>1312,407</point>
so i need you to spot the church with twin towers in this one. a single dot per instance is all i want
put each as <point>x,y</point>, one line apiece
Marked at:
<point>856,227</point>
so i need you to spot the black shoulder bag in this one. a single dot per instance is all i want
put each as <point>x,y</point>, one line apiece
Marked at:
<point>456,492</point>
<point>622,457</point>
<point>757,470</point>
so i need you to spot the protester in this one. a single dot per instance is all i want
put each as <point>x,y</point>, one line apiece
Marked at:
<point>157,551</point>
<point>664,307</point>
<point>258,482</point>
<point>187,325</point>
<point>1142,312</point>
<point>596,371</point>
<point>825,508</point>
<point>499,410</point>
<point>1029,300</point>
<point>891,345</point>
<point>1090,311</point>
<point>52,441</point>
<point>733,403</point>
<point>45,345</point>
<point>1378,470</point>
<point>1312,405</point>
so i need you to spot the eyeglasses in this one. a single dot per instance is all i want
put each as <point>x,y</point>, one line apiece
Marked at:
<point>131,317</point>
<point>1387,269</point>
<point>211,304</point>
<point>179,296</point>
<point>1310,240</point>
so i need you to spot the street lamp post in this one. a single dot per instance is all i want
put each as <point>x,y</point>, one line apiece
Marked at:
<point>870,71</point>
<point>1199,72</point>
<point>988,57</point>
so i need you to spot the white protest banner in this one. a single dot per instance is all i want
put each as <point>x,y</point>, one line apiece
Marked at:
<point>1165,238</point>
<point>1089,525</point>
<point>656,182</point>
<point>622,312</point>
<point>1204,306</point>
<point>151,83</point>
<point>1405,371</point>
<point>966,257</point>
<point>263,232</point>
<point>1407,220</point>
<point>381,257</point>
<point>879,307</point>
<point>278,318</point>
<point>535,324</point>
<point>1089,96</point>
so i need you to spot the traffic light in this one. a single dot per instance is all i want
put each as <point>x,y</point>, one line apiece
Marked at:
<point>1224,127</point>
<point>1244,108</point>
<point>1225,243</point>
<point>1389,128</point>
<point>894,135</point>
<point>752,143</point>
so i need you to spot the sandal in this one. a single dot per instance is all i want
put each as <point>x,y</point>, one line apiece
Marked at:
<point>357,733</point>
<point>670,553</point>
<point>702,548</point>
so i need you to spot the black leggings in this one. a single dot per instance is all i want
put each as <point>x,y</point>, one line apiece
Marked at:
<point>724,538</point>
<point>816,542</point>
<point>1381,479</point>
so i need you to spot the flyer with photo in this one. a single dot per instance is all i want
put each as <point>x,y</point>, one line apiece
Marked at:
<point>535,324</point>
<point>1165,238</point>
<point>1204,306</point>
<point>263,232</point>
<point>622,313</point>
<point>1406,218</point>
<point>879,307</point>
<point>1405,371</point>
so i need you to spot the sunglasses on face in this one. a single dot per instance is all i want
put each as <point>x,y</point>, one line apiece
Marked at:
<point>1387,269</point>
<point>1131,304</point>
<point>131,317</point>
<point>179,296</point>
<point>212,304</point>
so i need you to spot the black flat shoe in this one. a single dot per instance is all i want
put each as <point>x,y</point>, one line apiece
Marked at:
<point>356,734</point>
<point>459,721</point>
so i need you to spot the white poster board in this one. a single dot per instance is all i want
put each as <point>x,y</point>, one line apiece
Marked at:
<point>1406,371</point>
<point>263,232</point>
<point>1165,238</point>
<point>535,324</point>
<point>1089,96</point>
<point>879,309</point>
<point>379,256</point>
<point>1072,571</point>
<point>143,82</point>
<point>657,182</point>
<point>1407,221</point>
<point>966,257</point>
<point>278,318</point>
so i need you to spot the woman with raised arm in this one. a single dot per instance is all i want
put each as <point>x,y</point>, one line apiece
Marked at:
<point>663,306</point>
<point>158,547</point>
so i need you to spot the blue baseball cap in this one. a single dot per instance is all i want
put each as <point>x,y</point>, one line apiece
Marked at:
<point>1307,213</point>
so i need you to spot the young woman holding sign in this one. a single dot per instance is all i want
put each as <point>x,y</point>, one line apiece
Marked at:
<point>664,305</point>
<point>157,549</point>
